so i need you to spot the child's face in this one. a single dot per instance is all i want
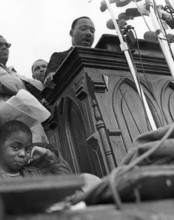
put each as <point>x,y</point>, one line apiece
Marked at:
<point>15,152</point>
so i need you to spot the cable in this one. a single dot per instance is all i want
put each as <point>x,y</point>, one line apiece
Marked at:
<point>142,65</point>
<point>139,83</point>
<point>144,74</point>
<point>143,16</point>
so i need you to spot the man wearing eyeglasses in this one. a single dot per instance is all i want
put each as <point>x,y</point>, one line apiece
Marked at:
<point>10,80</point>
<point>11,83</point>
<point>4,50</point>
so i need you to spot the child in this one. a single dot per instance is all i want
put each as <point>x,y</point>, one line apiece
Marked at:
<point>17,149</point>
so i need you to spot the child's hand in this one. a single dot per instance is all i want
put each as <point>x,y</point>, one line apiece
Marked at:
<point>38,152</point>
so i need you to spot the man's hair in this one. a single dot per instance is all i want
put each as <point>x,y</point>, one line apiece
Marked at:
<point>35,62</point>
<point>76,20</point>
<point>11,127</point>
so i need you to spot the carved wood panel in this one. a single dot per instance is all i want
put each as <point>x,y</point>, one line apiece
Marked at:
<point>167,101</point>
<point>81,152</point>
<point>101,113</point>
<point>129,111</point>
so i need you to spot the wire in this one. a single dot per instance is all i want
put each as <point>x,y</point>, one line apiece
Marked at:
<point>139,84</point>
<point>151,150</point>
<point>113,187</point>
<point>144,73</point>
<point>142,65</point>
<point>143,16</point>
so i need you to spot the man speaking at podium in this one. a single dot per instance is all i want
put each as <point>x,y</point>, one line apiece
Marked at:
<point>82,34</point>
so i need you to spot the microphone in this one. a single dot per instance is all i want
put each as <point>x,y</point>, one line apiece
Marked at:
<point>119,3</point>
<point>165,16</point>
<point>170,4</point>
<point>170,38</point>
<point>130,13</point>
<point>121,23</point>
<point>125,30</point>
<point>103,5</point>
<point>110,24</point>
<point>123,16</point>
<point>150,36</point>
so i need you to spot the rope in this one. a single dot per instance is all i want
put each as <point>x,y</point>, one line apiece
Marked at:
<point>123,169</point>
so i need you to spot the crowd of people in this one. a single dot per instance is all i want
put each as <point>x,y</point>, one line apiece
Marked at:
<point>20,155</point>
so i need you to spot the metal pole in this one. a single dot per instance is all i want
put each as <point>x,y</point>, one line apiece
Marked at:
<point>125,49</point>
<point>162,39</point>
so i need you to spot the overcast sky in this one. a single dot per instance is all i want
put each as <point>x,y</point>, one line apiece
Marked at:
<point>37,28</point>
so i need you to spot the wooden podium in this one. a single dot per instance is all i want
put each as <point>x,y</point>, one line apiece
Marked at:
<point>96,107</point>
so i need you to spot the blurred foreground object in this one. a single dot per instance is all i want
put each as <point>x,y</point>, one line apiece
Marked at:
<point>36,194</point>
<point>147,165</point>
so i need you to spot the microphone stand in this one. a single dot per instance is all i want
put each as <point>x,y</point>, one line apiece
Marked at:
<point>161,37</point>
<point>132,67</point>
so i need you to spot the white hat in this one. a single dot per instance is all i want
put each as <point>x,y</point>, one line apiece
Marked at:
<point>23,107</point>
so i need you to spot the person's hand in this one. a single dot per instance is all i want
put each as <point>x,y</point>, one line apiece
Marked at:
<point>90,180</point>
<point>48,82</point>
<point>46,104</point>
<point>38,152</point>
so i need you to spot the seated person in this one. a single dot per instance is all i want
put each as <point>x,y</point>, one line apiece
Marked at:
<point>11,81</point>
<point>38,70</point>
<point>19,157</point>
<point>17,149</point>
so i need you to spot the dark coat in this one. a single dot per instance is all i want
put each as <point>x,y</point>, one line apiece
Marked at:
<point>56,60</point>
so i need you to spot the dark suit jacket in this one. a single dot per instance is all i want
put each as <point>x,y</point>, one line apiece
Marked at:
<point>56,60</point>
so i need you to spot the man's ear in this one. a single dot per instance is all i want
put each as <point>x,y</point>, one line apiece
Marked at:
<point>71,32</point>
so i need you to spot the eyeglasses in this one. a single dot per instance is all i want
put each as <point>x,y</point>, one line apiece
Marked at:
<point>7,45</point>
